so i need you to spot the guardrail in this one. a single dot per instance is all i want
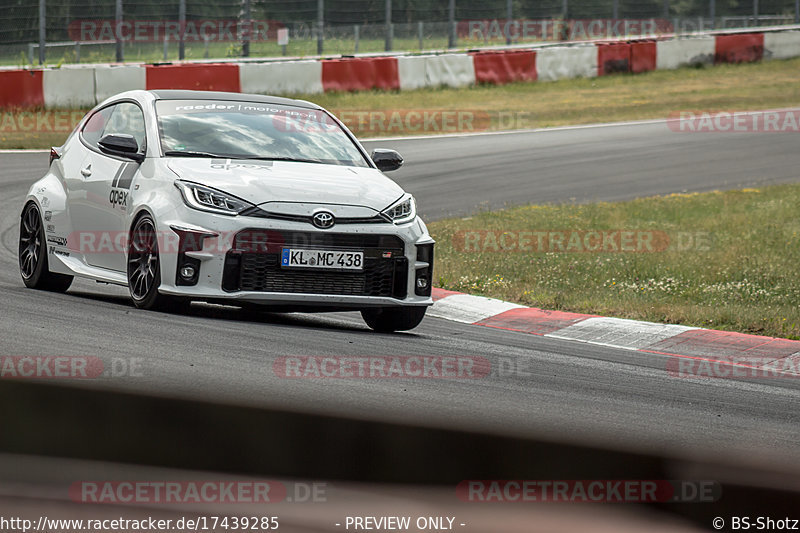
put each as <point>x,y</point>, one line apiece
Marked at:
<point>86,85</point>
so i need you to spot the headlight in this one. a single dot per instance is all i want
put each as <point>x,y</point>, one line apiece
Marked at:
<point>208,199</point>
<point>404,210</point>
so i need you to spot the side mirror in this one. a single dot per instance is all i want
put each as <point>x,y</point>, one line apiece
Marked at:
<point>121,145</point>
<point>387,160</point>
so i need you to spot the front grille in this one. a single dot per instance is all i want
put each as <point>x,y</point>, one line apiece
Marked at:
<point>254,265</point>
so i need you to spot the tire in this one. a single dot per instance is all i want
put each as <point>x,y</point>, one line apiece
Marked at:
<point>144,270</point>
<point>33,265</point>
<point>389,319</point>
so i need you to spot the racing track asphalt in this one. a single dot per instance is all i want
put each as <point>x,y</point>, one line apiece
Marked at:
<point>567,390</point>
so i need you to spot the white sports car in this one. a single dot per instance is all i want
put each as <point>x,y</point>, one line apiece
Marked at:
<point>229,198</point>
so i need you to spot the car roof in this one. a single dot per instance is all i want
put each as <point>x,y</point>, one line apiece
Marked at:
<point>173,94</point>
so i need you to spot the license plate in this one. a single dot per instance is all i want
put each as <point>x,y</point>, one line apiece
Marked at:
<point>330,259</point>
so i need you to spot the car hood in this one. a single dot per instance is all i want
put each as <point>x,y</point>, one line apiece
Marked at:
<point>260,182</point>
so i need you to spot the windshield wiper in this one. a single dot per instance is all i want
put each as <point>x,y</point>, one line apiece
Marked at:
<point>292,159</point>
<point>189,153</point>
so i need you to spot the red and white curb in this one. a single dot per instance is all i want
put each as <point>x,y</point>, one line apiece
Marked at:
<point>683,342</point>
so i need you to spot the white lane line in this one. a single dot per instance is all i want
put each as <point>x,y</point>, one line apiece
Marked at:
<point>469,309</point>
<point>619,332</point>
<point>26,151</point>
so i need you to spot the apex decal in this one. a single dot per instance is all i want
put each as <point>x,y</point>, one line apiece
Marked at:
<point>118,198</point>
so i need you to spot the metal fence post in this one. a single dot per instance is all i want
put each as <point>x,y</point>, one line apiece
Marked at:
<point>421,33</point>
<point>182,24</point>
<point>388,17</point>
<point>666,9</point>
<point>615,9</point>
<point>755,12</point>
<point>117,30</point>
<point>797,11</point>
<point>451,34</point>
<point>248,28</point>
<point>564,9</point>
<point>712,12</point>
<point>320,25</point>
<point>509,16</point>
<point>356,36</point>
<point>42,30</point>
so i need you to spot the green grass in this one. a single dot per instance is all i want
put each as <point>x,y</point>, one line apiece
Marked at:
<point>732,263</point>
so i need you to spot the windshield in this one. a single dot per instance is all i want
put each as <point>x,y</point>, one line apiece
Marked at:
<point>251,130</point>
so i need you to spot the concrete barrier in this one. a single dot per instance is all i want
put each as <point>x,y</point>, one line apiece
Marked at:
<point>290,77</point>
<point>69,88</point>
<point>74,86</point>
<point>678,53</point>
<point>566,62</point>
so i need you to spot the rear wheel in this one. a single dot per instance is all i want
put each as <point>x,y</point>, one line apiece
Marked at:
<point>33,265</point>
<point>144,270</point>
<point>388,319</point>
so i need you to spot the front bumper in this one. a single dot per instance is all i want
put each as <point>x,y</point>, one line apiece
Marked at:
<point>238,262</point>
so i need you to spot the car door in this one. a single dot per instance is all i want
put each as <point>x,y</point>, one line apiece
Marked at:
<point>99,199</point>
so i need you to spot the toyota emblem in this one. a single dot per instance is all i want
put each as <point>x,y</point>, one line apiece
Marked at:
<point>323,219</point>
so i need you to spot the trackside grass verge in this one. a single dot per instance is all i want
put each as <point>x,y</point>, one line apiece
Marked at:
<point>722,260</point>
<point>771,84</point>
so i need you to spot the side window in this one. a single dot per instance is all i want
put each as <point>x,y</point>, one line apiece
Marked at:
<point>127,118</point>
<point>92,131</point>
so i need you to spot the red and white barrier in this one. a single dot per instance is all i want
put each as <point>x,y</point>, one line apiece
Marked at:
<point>114,79</point>
<point>85,85</point>
<point>194,76</point>
<point>739,48</point>
<point>499,67</point>
<point>643,56</point>
<point>69,88</point>
<point>677,53</point>
<point>21,88</point>
<point>445,70</point>
<point>781,44</point>
<point>284,77</point>
<point>562,62</point>
<point>360,74</point>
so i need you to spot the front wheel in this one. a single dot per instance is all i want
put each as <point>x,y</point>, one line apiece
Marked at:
<point>389,319</point>
<point>33,265</point>
<point>144,270</point>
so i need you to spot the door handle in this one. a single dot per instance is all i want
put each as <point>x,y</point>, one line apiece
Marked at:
<point>87,171</point>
